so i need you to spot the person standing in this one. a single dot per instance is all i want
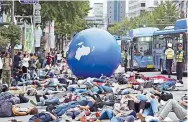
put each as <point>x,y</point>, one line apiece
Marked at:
<point>6,73</point>
<point>180,56</point>
<point>124,59</point>
<point>25,63</point>
<point>59,57</point>
<point>17,59</point>
<point>42,58</point>
<point>169,55</point>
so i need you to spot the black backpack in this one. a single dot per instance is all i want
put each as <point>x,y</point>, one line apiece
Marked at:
<point>166,96</point>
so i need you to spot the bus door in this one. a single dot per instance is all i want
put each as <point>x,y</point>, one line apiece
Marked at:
<point>159,45</point>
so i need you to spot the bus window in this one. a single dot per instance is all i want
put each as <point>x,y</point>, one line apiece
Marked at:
<point>143,46</point>
<point>159,42</point>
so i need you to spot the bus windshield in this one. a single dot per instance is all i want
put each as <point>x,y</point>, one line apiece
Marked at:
<point>142,46</point>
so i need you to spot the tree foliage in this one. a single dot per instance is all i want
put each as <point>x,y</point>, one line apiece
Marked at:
<point>165,14</point>
<point>68,15</point>
<point>10,35</point>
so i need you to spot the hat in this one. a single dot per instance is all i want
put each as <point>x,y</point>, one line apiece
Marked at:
<point>179,45</point>
<point>169,44</point>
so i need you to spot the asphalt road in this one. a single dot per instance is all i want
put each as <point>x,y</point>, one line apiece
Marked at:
<point>177,96</point>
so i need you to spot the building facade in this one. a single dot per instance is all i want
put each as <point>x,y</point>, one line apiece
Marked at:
<point>136,7</point>
<point>116,11</point>
<point>98,9</point>
<point>97,19</point>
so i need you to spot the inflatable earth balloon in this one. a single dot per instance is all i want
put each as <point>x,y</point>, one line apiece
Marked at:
<point>93,53</point>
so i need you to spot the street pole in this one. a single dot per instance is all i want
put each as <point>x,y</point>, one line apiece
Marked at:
<point>34,26</point>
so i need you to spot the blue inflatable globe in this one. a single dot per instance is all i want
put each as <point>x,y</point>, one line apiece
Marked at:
<point>92,53</point>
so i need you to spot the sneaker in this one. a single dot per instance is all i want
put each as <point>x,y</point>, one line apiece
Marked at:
<point>33,103</point>
<point>179,84</point>
<point>80,116</point>
<point>66,118</point>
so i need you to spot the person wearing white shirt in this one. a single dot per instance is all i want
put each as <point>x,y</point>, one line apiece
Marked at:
<point>25,63</point>
<point>59,57</point>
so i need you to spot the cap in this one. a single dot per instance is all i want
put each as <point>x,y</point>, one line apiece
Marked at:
<point>179,45</point>
<point>169,44</point>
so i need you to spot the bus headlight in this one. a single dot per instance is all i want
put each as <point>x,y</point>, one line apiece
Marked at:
<point>135,63</point>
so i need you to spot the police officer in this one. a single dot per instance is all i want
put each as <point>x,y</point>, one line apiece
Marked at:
<point>179,63</point>
<point>124,59</point>
<point>169,55</point>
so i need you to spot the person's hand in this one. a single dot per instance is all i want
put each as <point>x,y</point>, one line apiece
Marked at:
<point>119,114</point>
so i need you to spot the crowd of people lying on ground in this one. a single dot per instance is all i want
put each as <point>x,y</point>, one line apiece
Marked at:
<point>123,97</point>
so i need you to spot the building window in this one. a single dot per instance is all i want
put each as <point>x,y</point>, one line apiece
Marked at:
<point>143,4</point>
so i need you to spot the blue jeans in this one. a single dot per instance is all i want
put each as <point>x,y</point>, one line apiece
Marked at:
<point>61,109</point>
<point>125,91</point>
<point>95,89</point>
<point>123,119</point>
<point>166,85</point>
<point>141,97</point>
<point>105,89</point>
<point>106,114</point>
<point>19,78</point>
<point>73,114</point>
<point>153,108</point>
<point>81,90</point>
<point>49,101</point>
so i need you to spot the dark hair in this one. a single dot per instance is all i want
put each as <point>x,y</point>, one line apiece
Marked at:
<point>24,55</point>
<point>13,120</point>
<point>5,88</point>
<point>19,53</point>
<point>34,111</point>
<point>31,54</point>
<point>6,53</point>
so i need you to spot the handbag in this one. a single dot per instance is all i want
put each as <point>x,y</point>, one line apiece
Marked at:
<point>166,96</point>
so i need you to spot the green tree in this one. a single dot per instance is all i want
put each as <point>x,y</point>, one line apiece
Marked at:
<point>10,35</point>
<point>68,15</point>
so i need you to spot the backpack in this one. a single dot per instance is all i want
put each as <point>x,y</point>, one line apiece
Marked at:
<point>166,96</point>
